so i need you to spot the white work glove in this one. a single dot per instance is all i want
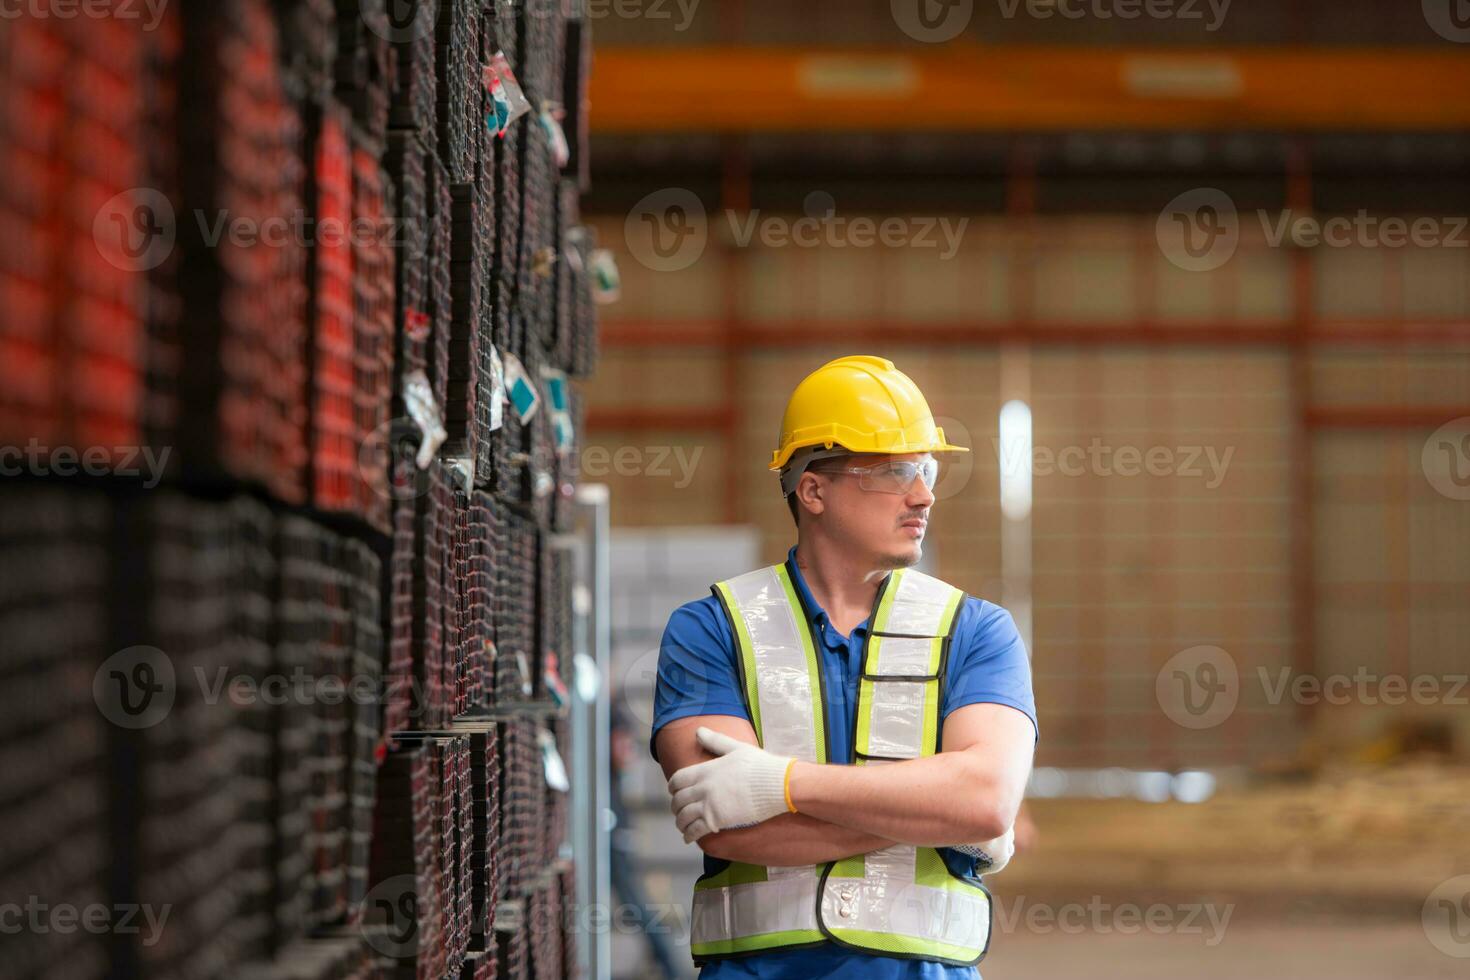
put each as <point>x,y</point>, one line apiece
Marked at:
<point>744,786</point>
<point>992,854</point>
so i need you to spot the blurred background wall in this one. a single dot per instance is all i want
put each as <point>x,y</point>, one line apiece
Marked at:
<point>1220,253</point>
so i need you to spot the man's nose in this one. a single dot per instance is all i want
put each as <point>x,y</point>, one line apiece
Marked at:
<point>920,495</point>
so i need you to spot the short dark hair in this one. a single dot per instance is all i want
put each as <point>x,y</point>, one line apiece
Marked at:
<point>791,503</point>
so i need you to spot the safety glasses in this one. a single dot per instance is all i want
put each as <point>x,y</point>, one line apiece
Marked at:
<point>891,475</point>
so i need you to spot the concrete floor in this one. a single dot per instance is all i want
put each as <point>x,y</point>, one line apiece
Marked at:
<point>1250,951</point>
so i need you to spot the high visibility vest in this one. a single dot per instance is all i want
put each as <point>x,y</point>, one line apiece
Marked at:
<point>902,900</point>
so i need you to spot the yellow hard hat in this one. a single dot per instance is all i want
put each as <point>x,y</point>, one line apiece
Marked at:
<point>863,404</point>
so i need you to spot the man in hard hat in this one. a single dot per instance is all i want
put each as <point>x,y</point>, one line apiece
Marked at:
<point>848,739</point>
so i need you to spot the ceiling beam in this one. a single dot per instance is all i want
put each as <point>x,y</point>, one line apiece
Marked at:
<point>1004,89</point>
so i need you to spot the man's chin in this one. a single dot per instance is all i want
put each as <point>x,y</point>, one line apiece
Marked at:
<point>905,557</point>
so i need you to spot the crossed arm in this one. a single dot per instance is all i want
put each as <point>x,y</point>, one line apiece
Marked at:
<point>968,792</point>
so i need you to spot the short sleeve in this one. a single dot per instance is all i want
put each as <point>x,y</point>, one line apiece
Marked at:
<point>988,662</point>
<point>697,674</point>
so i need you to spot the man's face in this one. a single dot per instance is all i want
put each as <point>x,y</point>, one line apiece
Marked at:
<point>888,526</point>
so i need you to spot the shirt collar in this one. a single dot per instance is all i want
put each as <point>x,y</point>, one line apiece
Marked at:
<point>815,613</point>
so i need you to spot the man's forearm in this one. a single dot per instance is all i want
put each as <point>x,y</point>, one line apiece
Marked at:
<point>935,801</point>
<point>791,839</point>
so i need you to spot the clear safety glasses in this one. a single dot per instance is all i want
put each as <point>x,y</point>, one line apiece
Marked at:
<point>890,476</point>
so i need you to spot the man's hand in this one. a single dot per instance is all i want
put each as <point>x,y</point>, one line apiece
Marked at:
<point>743,785</point>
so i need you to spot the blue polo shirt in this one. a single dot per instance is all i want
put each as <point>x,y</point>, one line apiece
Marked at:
<point>698,674</point>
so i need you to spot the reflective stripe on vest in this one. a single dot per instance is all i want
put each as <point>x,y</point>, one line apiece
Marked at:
<point>901,900</point>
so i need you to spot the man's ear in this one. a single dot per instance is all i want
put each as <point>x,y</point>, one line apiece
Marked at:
<point>811,493</point>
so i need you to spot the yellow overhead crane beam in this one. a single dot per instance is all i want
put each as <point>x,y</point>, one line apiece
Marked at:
<point>968,87</point>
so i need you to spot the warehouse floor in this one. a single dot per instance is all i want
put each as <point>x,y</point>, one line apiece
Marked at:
<point>1340,951</point>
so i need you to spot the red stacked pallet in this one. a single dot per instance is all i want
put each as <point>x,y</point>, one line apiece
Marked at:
<point>71,353</point>
<point>373,331</point>
<point>399,679</point>
<point>334,464</point>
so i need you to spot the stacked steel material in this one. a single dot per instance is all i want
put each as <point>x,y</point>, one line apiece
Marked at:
<point>538,259</point>
<point>584,309</point>
<point>411,28</point>
<point>470,243</point>
<point>334,464</point>
<point>176,802</point>
<point>542,35</point>
<point>486,855</point>
<point>459,85</point>
<point>555,612</point>
<point>440,307</point>
<point>405,862</point>
<point>373,330</point>
<point>453,532</point>
<point>570,915</point>
<point>243,392</point>
<point>516,661</point>
<point>513,944</point>
<point>367,65</point>
<point>308,45</point>
<point>465,843</point>
<point>346,957</point>
<point>404,594</point>
<point>577,69</point>
<point>557,802</point>
<point>563,500</point>
<point>405,162</point>
<point>523,805</point>
<point>363,699</point>
<point>71,351</point>
<point>544,908</point>
<point>558,340</point>
<point>478,966</point>
<point>296,618</point>
<point>254,585</point>
<point>477,573</point>
<point>53,614</point>
<point>315,581</point>
<point>447,805</point>
<point>430,511</point>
